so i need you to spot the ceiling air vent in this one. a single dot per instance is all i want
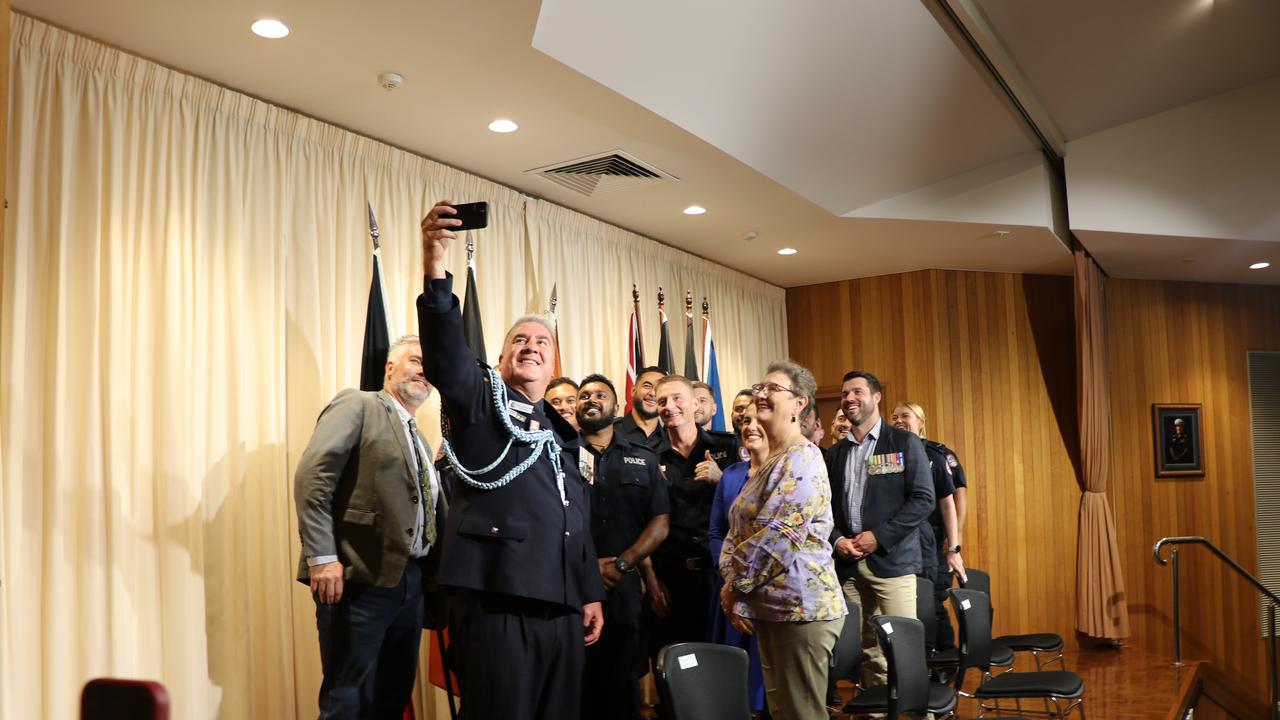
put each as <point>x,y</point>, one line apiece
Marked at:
<point>605,172</point>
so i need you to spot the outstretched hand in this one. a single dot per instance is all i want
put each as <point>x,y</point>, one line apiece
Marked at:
<point>436,234</point>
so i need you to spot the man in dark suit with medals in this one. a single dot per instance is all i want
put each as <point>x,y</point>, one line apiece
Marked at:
<point>369,511</point>
<point>518,558</point>
<point>881,490</point>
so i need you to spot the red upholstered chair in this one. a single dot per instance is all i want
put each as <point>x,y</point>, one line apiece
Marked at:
<point>116,699</point>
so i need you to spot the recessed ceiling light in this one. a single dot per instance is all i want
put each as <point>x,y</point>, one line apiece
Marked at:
<point>268,28</point>
<point>503,126</point>
<point>694,210</point>
<point>1259,265</point>
<point>788,251</point>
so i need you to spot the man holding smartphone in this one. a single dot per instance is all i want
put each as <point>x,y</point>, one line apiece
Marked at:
<point>518,557</point>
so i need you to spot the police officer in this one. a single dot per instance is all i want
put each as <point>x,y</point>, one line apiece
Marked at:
<point>629,514</point>
<point>940,536</point>
<point>946,528</point>
<point>641,425</point>
<point>692,460</point>
<point>517,550</point>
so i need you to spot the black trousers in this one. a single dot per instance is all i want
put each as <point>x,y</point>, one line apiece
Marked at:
<point>369,649</point>
<point>689,593</point>
<point>946,637</point>
<point>610,688</point>
<point>516,659</point>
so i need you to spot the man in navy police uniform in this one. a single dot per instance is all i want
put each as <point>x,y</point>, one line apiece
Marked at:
<point>518,557</point>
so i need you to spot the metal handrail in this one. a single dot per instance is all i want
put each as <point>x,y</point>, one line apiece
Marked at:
<point>1196,540</point>
<point>1274,705</point>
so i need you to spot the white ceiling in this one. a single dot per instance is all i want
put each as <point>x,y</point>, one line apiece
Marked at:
<point>846,103</point>
<point>777,118</point>
<point>1096,64</point>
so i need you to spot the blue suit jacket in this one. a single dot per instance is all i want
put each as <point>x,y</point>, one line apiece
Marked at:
<point>893,506</point>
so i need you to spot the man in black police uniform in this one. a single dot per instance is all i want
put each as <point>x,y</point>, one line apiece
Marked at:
<point>692,460</point>
<point>641,426</point>
<point>629,514</point>
<point>518,557</point>
<point>948,473</point>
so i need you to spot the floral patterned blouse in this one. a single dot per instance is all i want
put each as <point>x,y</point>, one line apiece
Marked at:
<point>777,552</point>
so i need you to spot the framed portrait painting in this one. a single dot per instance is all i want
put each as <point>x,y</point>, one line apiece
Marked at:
<point>1177,440</point>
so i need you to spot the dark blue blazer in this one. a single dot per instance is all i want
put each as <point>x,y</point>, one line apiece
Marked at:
<point>518,539</point>
<point>893,506</point>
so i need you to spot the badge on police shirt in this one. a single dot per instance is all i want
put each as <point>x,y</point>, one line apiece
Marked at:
<point>587,465</point>
<point>886,464</point>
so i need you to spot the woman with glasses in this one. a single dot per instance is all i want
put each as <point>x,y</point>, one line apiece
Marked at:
<point>780,581</point>
<point>752,442</point>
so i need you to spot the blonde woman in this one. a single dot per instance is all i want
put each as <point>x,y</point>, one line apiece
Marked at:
<point>780,580</point>
<point>940,536</point>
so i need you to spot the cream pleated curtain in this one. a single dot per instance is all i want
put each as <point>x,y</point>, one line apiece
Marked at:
<point>182,289</point>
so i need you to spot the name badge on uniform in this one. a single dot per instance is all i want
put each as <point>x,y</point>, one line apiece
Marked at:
<point>525,408</point>
<point>886,464</point>
<point>587,465</point>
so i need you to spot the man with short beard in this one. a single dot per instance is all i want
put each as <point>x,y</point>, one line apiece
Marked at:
<point>641,426</point>
<point>743,399</point>
<point>705,405</point>
<point>691,460</point>
<point>881,490</point>
<point>369,514</point>
<point>629,512</point>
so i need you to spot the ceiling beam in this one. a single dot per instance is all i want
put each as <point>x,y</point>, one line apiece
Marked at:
<point>968,27</point>
<point>977,40</point>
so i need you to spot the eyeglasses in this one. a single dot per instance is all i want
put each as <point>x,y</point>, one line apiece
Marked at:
<point>769,388</point>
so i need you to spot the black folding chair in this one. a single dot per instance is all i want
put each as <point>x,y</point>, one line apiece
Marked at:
<point>909,689</point>
<point>703,681</point>
<point>847,656</point>
<point>1038,644</point>
<point>1064,689</point>
<point>949,658</point>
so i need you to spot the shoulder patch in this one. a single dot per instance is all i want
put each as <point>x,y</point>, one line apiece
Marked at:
<point>952,462</point>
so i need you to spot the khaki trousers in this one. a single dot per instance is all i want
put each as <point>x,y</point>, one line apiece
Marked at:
<point>794,658</point>
<point>878,596</point>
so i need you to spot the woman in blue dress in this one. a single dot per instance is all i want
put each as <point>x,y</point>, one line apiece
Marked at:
<point>756,448</point>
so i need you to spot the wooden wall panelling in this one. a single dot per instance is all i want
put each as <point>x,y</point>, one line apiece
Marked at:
<point>984,354</point>
<point>1186,342</point>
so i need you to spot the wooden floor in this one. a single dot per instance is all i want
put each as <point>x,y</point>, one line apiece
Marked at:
<point>1120,684</point>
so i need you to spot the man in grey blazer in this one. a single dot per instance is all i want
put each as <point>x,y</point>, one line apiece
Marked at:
<point>370,511</point>
<point>881,491</point>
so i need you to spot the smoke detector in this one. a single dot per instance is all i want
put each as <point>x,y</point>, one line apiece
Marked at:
<point>390,80</point>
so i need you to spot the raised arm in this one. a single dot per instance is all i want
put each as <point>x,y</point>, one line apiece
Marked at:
<point>447,361</point>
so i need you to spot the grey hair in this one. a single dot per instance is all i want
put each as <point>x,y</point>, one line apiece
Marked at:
<point>398,346</point>
<point>801,379</point>
<point>542,320</point>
